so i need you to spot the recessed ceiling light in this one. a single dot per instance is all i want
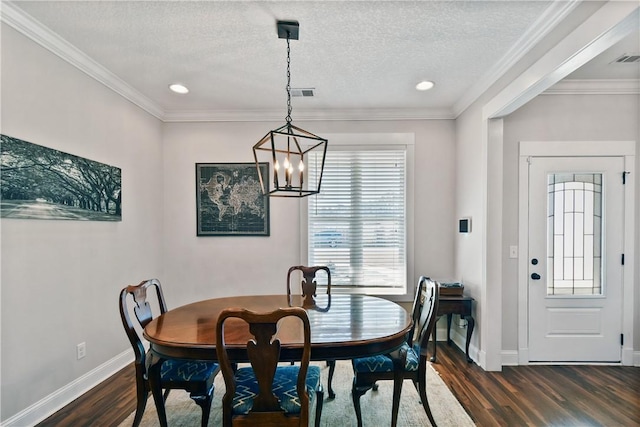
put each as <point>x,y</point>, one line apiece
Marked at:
<point>425,85</point>
<point>178,88</point>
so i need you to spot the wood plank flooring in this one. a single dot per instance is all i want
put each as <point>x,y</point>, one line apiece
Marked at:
<point>543,395</point>
<point>518,396</point>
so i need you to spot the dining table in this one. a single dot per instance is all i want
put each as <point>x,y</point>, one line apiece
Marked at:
<point>343,326</point>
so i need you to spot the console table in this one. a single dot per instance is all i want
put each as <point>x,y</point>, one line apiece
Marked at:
<point>451,305</point>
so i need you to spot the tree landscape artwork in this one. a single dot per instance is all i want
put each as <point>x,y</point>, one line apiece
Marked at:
<point>37,182</point>
<point>230,200</point>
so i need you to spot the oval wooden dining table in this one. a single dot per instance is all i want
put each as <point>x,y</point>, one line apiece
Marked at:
<point>342,327</point>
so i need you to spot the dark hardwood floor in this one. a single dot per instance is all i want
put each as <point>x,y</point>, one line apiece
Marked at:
<point>518,396</point>
<point>539,395</point>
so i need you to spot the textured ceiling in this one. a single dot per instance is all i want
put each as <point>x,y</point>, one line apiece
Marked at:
<point>358,55</point>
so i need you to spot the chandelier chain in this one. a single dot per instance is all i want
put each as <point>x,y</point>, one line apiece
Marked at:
<point>289,108</point>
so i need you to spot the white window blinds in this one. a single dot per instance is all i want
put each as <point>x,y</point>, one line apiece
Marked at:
<point>357,224</point>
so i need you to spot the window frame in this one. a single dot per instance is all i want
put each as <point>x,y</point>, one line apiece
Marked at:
<point>376,141</point>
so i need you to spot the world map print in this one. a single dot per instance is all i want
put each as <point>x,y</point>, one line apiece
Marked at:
<point>230,200</point>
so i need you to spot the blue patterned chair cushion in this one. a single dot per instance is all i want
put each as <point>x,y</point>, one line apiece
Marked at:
<point>284,387</point>
<point>383,363</point>
<point>182,370</point>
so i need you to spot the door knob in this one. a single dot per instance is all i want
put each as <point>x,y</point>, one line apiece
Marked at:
<point>534,261</point>
<point>535,276</point>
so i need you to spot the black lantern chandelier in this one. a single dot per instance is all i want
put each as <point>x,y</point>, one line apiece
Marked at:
<point>289,150</point>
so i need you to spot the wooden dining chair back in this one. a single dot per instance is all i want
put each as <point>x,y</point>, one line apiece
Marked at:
<point>309,287</point>
<point>408,362</point>
<point>309,283</point>
<point>267,393</point>
<point>193,376</point>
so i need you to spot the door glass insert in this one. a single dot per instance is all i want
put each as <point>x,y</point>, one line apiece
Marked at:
<point>574,231</point>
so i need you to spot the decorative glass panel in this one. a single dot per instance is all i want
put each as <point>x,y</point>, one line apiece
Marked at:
<point>574,230</point>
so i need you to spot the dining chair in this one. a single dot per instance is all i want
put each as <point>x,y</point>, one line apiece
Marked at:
<point>193,376</point>
<point>408,362</point>
<point>309,285</point>
<point>266,393</point>
<point>309,292</point>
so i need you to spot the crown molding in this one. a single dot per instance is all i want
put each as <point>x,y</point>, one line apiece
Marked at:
<point>595,87</point>
<point>333,114</point>
<point>31,28</point>
<point>554,14</point>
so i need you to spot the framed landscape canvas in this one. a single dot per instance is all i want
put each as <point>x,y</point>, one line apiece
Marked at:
<point>38,182</point>
<point>229,200</point>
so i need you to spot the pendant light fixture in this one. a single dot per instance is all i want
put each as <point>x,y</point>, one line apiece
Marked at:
<point>290,150</point>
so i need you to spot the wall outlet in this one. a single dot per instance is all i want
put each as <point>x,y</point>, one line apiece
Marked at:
<point>81,350</point>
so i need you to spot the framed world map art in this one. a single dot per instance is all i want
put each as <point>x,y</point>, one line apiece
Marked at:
<point>229,200</point>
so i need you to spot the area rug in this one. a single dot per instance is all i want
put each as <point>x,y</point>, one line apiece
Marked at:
<point>376,405</point>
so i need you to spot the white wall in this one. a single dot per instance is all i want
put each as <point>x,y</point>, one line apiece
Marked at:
<point>60,279</point>
<point>199,267</point>
<point>558,118</point>
<point>469,195</point>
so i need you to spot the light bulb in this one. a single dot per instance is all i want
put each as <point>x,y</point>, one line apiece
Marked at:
<point>301,166</point>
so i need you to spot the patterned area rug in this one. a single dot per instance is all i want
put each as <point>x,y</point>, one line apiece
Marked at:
<point>376,405</point>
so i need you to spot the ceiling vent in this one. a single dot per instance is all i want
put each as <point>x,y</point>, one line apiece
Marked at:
<point>628,58</point>
<point>306,92</point>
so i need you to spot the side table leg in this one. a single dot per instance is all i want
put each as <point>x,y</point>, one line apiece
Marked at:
<point>449,318</point>
<point>470,325</point>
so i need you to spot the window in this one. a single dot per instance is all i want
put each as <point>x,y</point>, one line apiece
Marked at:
<point>575,234</point>
<point>358,225</point>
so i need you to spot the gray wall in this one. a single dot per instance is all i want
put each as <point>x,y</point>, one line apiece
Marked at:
<point>217,266</point>
<point>60,279</point>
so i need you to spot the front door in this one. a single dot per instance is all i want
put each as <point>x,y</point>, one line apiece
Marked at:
<point>575,277</point>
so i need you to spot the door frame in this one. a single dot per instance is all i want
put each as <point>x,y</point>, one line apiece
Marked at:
<point>624,149</point>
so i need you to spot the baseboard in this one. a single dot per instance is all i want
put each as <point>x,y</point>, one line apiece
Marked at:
<point>510,358</point>
<point>460,340</point>
<point>513,358</point>
<point>65,395</point>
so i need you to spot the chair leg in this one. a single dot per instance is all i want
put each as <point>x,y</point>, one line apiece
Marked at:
<point>397,391</point>
<point>356,392</point>
<point>140,406</point>
<point>422,391</point>
<point>156,390</point>
<point>399,358</point>
<point>204,401</point>
<point>332,369</point>
<point>319,403</point>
